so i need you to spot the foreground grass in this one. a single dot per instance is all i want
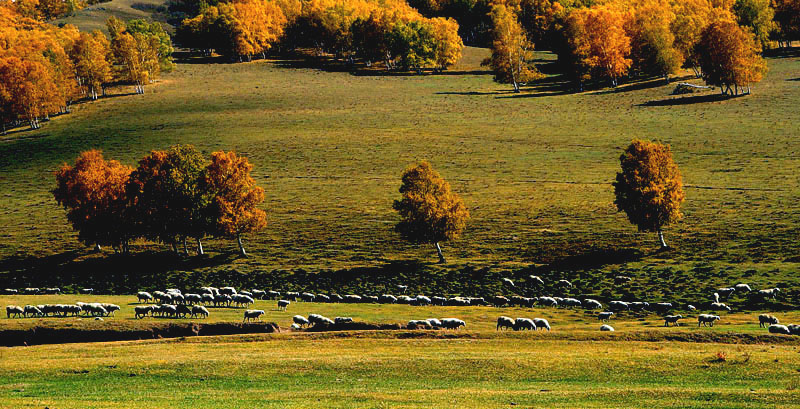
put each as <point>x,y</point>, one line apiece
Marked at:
<point>303,372</point>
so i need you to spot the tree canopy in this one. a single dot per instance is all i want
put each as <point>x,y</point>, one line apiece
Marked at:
<point>729,57</point>
<point>512,52</point>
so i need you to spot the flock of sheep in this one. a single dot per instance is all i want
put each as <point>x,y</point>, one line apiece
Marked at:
<point>83,309</point>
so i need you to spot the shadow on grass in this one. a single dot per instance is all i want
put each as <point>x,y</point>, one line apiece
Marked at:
<point>794,79</point>
<point>783,52</point>
<point>644,84</point>
<point>697,99</point>
<point>591,259</point>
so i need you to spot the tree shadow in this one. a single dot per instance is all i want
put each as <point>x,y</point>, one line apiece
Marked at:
<point>791,52</point>
<point>696,99</point>
<point>643,84</point>
<point>589,260</point>
<point>794,79</point>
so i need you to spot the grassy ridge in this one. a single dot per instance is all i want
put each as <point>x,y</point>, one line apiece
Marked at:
<point>346,373</point>
<point>534,169</point>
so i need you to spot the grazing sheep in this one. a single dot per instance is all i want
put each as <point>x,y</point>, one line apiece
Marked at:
<point>769,293</point>
<point>507,281</point>
<point>418,324</point>
<point>173,291</point>
<point>169,310</point>
<point>765,319</point>
<point>794,329</point>
<point>521,324</point>
<point>672,319</point>
<point>606,327</point>
<point>300,320</point>
<point>183,310</point>
<point>619,280</point>
<point>228,291</point>
<point>307,297</point>
<point>452,323</point>
<point>87,290</point>
<point>505,322</point>
<point>422,300</point>
<point>32,311</point>
<point>14,310</point>
<point>691,307</point>
<point>570,302</point>
<point>565,283</point>
<point>388,299</point>
<point>352,298</point>
<point>591,304</point>
<point>208,298</point>
<point>247,293</point>
<point>547,301</point>
<point>144,296</point>
<point>141,311</point>
<point>51,290</point>
<point>10,291</point>
<point>295,327</point>
<point>30,290</point>
<point>707,319</point>
<point>458,301</point>
<point>662,307</point>
<point>434,322</point>
<point>162,297</point>
<point>779,329</point>
<point>342,320</point>
<point>283,304</point>
<point>638,306</point>
<point>726,292</point>
<point>605,316</point>
<point>618,306</point>
<point>323,298</point>
<point>370,299</point>
<point>242,300</point>
<point>499,301</point>
<point>199,310</point>
<point>259,294</point>
<point>252,315</point>
<point>744,288</point>
<point>536,280</point>
<point>315,318</point>
<point>273,295</point>
<point>110,308</point>
<point>541,323</point>
<point>717,306</point>
<point>177,298</point>
<point>193,298</point>
<point>402,288</point>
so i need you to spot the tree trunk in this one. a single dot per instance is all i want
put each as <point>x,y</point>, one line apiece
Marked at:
<point>661,239</point>
<point>516,87</point>
<point>185,248</point>
<point>241,246</point>
<point>439,251</point>
<point>199,247</point>
<point>97,248</point>
<point>174,247</point>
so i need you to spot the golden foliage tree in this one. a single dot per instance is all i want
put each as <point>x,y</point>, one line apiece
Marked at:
<point>91,55</point>
<point>649,189</point>
<point>511,51</point>
<point>758,15</point>
<point>93,193</point>
<point>429,211</point>
<point>448,43</point>
<point>137,52</point>
<point>729,57</point>
<point>653,49</point>
<point>691,18</point>
<point>598,42</point>
<point>236,197</point>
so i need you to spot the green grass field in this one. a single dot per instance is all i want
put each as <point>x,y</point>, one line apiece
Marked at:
<point>479,369</point>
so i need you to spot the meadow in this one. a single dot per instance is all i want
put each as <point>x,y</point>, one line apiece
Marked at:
<point>572,366</point>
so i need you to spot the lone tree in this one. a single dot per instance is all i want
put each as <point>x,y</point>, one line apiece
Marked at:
<point>649,189</point>
<point>430,212</point>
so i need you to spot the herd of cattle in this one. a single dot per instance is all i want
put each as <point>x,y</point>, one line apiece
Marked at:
<point>172,303</point>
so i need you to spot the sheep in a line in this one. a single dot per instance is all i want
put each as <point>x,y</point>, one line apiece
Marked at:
<point>794,329</point>
<point>10,291</point>
<point>300,320</point>
<point>183,310</point>
<point>388,299</point>
<point>273,295</point>
<point>242,300</point>
<point>499,301</point>
<point>30,291</point>
<point>283,304</point>
<point>541,324</point>
<point>605,316</point>
<point>250,315</point>
<point>536,280</point>
<point>764,320</point>
<point>565,283</point>
<point>260,294</point>
<point>307,297</point>
<point>32,311</point>
<point>418,324</point>
<point>672,319</point>
<point>718,306</point>
<point>709,319</point>
<point>292,295</point>
<point>144,297</point>
<point>452,323</point>
<point>14,310</point>
<point>779,329</point>
<point>505,322</point>
<point>94,310</point>
<point>434,322</point>
<point>223,300</point>
<point>207,298</point>
<point>51,290</point>
<point>177,298</point>
<point>247,293</point>
<point>142,311</point>
<point>228,291</point>
<point>661,307</point>
<point>726,292</point>
<point>342,320</point>
<point>86,291</point>
<point>352,299</point>
<point>317,319</point>
<point>402,288</point>
<point>617,306</point>
<point>547,301</point>
<point>638,306</point>
<point>769,293</point>
<point>193,298</point>
<point>323,298</point>
<point>570,302</point>
<point>295,327</point>
<point>110,308</point>
<point>591,304</point>
<point>199,310</point>
<point>521,324</point>
<point>743,288</point>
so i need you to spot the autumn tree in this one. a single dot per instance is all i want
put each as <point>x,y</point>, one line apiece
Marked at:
<point>429,211</point>
<point>729,57</point>
<point>236,197</point>
<point>137,52</point>
<point>649,189</point>
<point>93,193</point>
<point>691,18</point>
<point>414,44</point>
<point>154,29</point>
<point>598,43</point>
<point>91,55</point>
<point>787,17</point>
<point>29,88</point>
<point>758,15</point>
<point>511,51</point>
<point>653,49</point>
<point>449,45</point>
<point>168,196</point>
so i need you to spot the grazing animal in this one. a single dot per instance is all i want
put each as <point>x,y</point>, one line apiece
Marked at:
<point>87,290</point>
<point>452,323</point>
<point>605,316</point>
<point>388,299</point>
<point>300,320</point>
<point>283,304</point>
<point>765,320</point>
<point>547,301</point>
<point>541,323</point>
<point>794,329</point>
<point>521,324</point>
<point>507,281</point>
<point>591,304</point>
<point>716,297</point>
<point>672,319</point>
<point>199,310</point>
<point>505,322</point>
<point>779,329</point>
<point>606,327</point>
<point>418,324</point>
<point>717,306</point>
<point>707,319</point>
<point>144,296</point>
<point>769,293</point>
<point>435,323</point>
<point>253,315</point>
<point>14,310</point>
<point>619,280</point>
<point>536,280</point>
<point>691,307</point>
<point>618,306</point>
<point>342,320</point>
<point>743,288</point>
<point>565,283</point>
<point>726,292</point>
<point>141,311</point>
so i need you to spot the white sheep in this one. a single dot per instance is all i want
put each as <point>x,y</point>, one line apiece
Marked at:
<point>715,296</point>
<point>691,307</point>
<point>769,293</point>
<point>452,323</point>
<point>591,304</point>
<point>536,280</point>
<point>779,329</point>
<point>507,281</point>
<point>418,324</point>
<point>193,298</point>
<point>716,306</point>
<point>300,320</point>
<point>794,329</point>
<point>283,304</point>
<point>765,319</point>
<point>726,292</point>
<point>548,301</point>
<point>253,315</point>
<point>505,322</point>
<point>618,305</point>
<point>199,310</point>
<point>605,316</point>
<point>14,310</point>
<point>144,296</point>
<point>707,319</point>
<point>434,322</point>
<point>565,283</point>
<point>672,319</point>
<point>110,308</point>
<point>541,323</point>
<point>521,324</point>
<point>606,327</point>
<point>741,287</point>
<point>141,311</point>
<point>342,320</point>
<point>295,327</point>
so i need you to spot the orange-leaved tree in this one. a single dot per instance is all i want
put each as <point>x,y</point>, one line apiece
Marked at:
<point>598,41</point>
<point>729,57</point>
<point>649,189</point>
<point>429,211</point>
<point>91,54</point>
<point>512,52</point>
<point>236,197</point>
<point>94,195</point>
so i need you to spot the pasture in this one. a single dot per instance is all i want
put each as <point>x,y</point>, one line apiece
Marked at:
<point>572,366</point>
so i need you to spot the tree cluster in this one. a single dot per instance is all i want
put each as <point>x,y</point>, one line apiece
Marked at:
<point>172,195</point>
<point>388,31</point>
<point>43,68</point>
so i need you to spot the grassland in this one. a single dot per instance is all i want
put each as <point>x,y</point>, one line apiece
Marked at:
<point>479,369</point>
<point>534,170</point>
